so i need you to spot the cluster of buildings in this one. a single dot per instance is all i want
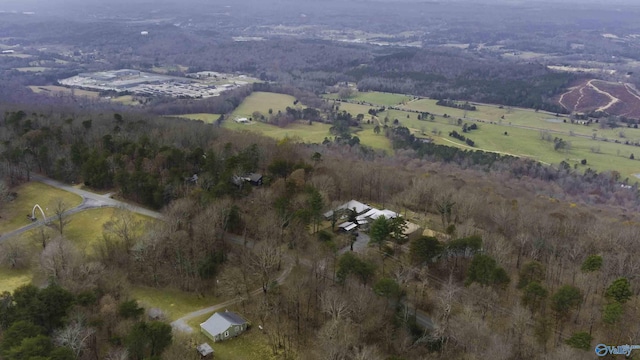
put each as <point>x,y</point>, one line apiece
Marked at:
<point>149,84</point>
<point>364,216</point>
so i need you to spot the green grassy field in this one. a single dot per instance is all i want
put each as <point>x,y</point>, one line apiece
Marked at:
<point>262,102</point>
<point>376,97</point>
<point>306,133</point>
<point>13,214</point>
<point>174,303</point>
<point>12,279</point>
<point>251,345</point>
<point>207,118</point>
<point>85,228</point>
<point>524,129</point>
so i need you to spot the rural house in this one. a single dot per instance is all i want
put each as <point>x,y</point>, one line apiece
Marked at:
<point>224,325</point>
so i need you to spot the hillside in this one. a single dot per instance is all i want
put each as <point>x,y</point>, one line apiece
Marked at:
<point>597,95</point>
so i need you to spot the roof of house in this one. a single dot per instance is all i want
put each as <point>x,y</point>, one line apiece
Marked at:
<point>353,204</point>
<point>255,177</point>
<point>411,228</point>
<point>357,205</point>
<point>351,227</point>
<point>221,321</point>
<point>204,349</point>
<point>345,224</point>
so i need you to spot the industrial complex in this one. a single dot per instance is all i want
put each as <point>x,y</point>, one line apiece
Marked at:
<point>196,85</point>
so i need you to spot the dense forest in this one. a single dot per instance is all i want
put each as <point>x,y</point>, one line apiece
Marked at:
<point>524,262</point>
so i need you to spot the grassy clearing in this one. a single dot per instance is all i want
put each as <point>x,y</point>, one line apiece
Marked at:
<point>251,345</point>
<point>376,97</point>
<point>13,279</point>
<point>85,228</point>
<point>207,118</point>
<point>126,100</point>
<point>52,89</point>
<point>370,138</point>
<point>13,214</point>
<point>167,69</point>
<point>174,303</point>
<point>262,102</point>
<point>314,133</point>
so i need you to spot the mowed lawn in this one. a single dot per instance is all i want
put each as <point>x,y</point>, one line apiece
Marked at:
<point>85,228</point>
<point>14,213</point>
<point>376,97</point>
<point>262,102</point>
<point>174,303</point>
<point>250,345</point>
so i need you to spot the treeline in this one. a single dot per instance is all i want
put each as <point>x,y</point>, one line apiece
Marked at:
<point>150,162</point>
<point>54,323</point>
<point>455,105</point>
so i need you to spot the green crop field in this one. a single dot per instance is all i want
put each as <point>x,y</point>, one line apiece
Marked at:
<point>376,97</point>
<point>262,102</point>
<point>13,214</point>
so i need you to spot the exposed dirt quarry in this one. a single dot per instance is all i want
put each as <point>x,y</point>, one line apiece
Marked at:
<point>597,95</point>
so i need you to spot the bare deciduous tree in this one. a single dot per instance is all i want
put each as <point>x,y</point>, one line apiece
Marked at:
<point>14,255</point>
<point>75,336</point>
<point>60,208</point>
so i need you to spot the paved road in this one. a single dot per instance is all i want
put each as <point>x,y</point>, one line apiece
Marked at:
<point>89,201</point>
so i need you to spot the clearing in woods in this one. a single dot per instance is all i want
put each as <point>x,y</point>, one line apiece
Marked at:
<point>13,215</point>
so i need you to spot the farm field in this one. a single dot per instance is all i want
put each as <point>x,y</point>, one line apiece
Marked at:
<point>13,214</point>
<point>262,102</point>
<point>251,345</point>
<point>376,97</point>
